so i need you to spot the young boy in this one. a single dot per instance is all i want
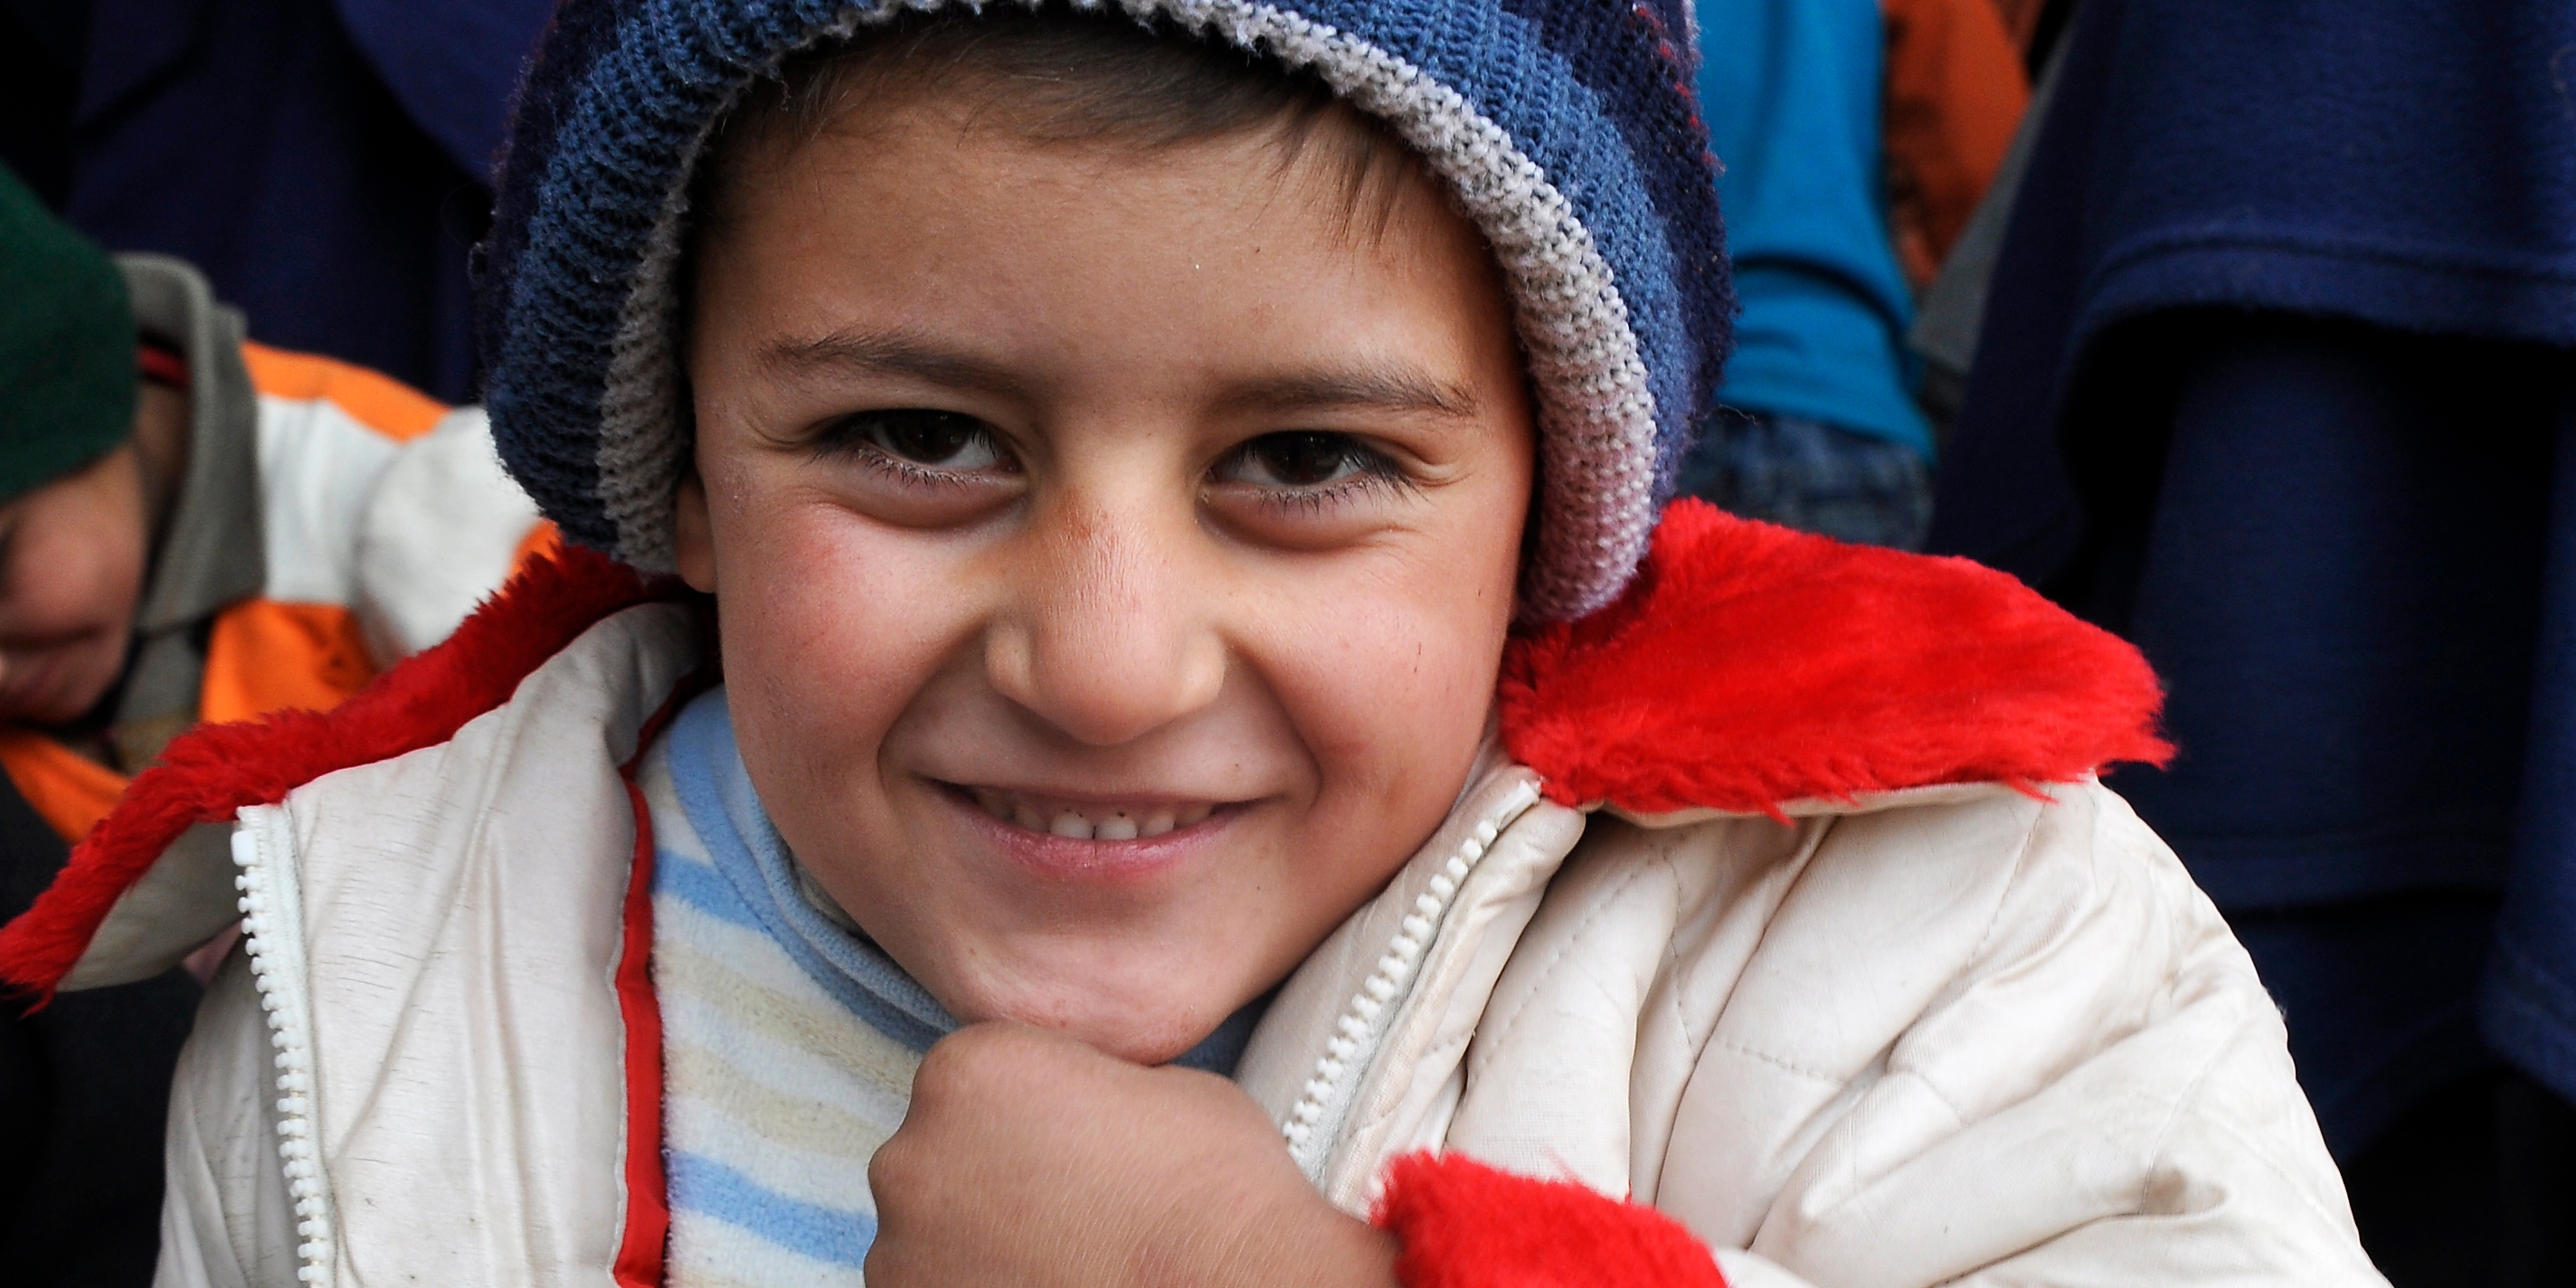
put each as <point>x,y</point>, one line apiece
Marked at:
<point>1163,499</point>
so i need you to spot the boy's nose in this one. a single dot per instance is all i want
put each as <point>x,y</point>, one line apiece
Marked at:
<point>1105,637</point>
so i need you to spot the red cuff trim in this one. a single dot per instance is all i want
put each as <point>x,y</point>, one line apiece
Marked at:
<point>1466,1225</point>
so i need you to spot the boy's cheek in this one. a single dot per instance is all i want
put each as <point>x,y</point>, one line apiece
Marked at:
<point>835,632</point>
<point>73,575</point>
<point>1399,670</point>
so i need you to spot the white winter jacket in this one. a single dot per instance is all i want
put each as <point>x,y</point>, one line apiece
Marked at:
<point>1850,1032</point>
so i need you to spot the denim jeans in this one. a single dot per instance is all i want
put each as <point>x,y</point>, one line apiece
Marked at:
<point>1812,476</point>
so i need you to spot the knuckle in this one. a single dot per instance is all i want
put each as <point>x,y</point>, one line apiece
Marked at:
<point>890,1176</point>
<point>967,1058</point>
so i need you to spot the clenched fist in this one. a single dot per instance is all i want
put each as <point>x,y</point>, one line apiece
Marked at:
<point>1030,1159</point>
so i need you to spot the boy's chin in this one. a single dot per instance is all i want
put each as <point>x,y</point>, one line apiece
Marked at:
<point>57,685</point>
<point>1149,1030</point>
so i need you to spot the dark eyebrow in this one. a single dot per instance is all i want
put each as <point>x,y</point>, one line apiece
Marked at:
<point>890,353</point>
<point>1360,390</point>
<point>900,354</point>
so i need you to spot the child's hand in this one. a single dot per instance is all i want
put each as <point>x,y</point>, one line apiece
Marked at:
<point>1030,1159</point>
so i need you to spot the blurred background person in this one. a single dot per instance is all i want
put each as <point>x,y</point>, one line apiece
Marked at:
<point>2273,377</point>
<point>1854,142</point>
<point>191,528</point>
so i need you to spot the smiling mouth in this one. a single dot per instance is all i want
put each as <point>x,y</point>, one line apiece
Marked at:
<point>1087,820</point>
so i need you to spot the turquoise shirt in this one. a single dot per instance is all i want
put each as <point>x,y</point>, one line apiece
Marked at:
<point>1791,92</point>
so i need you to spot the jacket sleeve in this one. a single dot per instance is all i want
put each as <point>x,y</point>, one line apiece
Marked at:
<point>226,1218</point>
<point>2098,1090</point>
<point>1466,1225</point>
<point>442,528</point>
<point>1979,1040</point>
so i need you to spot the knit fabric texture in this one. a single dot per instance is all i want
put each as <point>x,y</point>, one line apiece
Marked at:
<point>788,1044</point>
<point>67,368</point>
<point>1568,130</point>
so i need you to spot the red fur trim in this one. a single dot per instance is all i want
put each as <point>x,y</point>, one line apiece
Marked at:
<point>212,771</point>
<point>1750,666</point>
<point>1466,1225</point>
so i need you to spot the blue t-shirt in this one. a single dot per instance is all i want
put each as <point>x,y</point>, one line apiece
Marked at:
<point>1791,90</point>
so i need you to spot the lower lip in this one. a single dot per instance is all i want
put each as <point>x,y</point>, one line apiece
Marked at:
<point>1070,859</point>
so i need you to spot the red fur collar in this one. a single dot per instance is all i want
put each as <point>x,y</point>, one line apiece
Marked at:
<point>1749,667</point>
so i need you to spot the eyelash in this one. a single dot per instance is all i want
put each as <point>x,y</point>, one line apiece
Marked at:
<point>840,440</point>
<point>880,461</point>
<point>1375,471</point>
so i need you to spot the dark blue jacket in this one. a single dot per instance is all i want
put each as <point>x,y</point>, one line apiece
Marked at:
<point>321,162</point>
<point>2406,162</point>
<point>2254,212</point>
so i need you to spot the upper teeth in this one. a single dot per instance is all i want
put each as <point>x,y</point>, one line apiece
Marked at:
<point>1092,823</point>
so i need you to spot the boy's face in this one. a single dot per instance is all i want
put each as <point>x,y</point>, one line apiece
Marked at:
<point>72,557</point>
<point>1115,549</point>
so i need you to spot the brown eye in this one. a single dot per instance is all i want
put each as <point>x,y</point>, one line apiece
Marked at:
<point>1301,459</point>
<point>943,440</point>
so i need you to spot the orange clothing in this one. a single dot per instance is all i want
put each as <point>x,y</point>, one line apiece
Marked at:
<point>2021,19</point>
<point>266,656</point>
<point>326,434</point>
<point>382,403</point>
<point>69,791</point>
<point>1955,93</point>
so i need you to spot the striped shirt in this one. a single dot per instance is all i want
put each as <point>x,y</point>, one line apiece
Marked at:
<point>789,1042</point>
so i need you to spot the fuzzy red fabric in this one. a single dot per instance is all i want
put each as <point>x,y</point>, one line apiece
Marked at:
<point>1750,666</point>
<point>1466,1225</point>
<point>214,770</point>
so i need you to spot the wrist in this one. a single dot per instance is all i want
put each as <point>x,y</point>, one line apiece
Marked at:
<point>1318,1246</point>
<point>1365,1257</point>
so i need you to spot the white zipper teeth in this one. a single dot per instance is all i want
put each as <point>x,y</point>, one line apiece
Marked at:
<point>1360,1023</point>
<point>267,923</point>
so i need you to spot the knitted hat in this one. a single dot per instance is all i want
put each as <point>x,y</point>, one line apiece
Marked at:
<point>66,347</point>
<point>1566,127</point>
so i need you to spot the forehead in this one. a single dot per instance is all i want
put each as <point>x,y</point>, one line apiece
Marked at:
<point>1322,151</point>
<point>927,218</point>
<point>1061,77</point>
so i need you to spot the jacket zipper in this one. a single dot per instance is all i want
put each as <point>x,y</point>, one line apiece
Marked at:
<point>1369,1016</point>
<point>273,933</point>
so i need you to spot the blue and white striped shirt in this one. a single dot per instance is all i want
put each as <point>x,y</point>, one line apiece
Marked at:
<point>789,1042</point>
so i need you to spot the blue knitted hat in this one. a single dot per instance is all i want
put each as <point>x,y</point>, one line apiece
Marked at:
<point>1567,129</point>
